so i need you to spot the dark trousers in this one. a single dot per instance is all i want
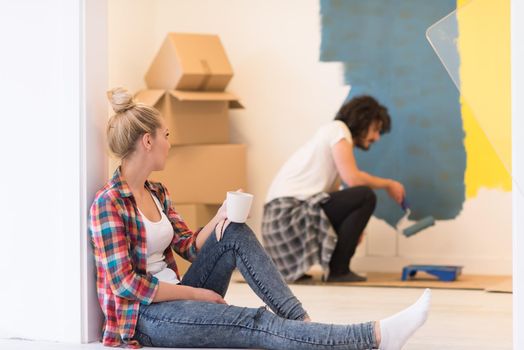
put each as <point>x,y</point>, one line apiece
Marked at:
<point>348,211</point>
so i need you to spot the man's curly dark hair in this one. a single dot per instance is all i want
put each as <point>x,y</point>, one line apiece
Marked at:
<point>359,113</point>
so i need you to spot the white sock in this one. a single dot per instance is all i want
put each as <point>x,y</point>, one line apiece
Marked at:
<point>396,330</point>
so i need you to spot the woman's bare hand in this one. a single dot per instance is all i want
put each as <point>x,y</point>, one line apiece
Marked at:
<point>208,295</point>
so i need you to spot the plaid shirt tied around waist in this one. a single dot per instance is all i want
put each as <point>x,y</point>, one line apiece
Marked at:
<point>119,245</point>
<point>297,234</point>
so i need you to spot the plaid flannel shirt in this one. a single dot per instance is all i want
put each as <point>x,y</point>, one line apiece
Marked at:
<point>297,234</point>
<point>119,244</point>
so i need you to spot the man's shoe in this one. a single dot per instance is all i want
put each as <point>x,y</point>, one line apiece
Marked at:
<point>304,278</point>
<point>347,277</point>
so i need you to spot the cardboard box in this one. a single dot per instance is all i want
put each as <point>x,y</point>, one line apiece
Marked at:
<point>192,117</point>
<point>196,215</point>
<point>192,62</point>
<point>202,174</point>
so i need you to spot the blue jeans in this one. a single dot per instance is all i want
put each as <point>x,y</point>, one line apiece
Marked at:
<point>189,323</point>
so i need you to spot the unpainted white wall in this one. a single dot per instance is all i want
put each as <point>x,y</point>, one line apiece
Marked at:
<point>53,75</point>
<point>93,147</point>
<point>40,85</point>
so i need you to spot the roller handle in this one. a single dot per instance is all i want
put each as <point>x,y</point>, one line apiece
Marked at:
<point>405,204</point>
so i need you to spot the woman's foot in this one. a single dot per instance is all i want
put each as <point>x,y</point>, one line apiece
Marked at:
<point>346,277</point>
<point>397,329</point>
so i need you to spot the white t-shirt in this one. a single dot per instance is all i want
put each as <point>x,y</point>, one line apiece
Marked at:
<point>311,169</point>
<point>158,237</point>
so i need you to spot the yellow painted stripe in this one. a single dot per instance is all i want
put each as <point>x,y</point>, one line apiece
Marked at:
<point>484,47</point>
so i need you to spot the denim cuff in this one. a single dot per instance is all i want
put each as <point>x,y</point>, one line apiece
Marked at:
<point>370,327</point>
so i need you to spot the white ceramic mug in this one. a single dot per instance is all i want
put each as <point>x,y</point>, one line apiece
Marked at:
<point>238,205</point>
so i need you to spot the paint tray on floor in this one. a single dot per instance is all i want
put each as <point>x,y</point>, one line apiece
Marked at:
<point>445,273</point>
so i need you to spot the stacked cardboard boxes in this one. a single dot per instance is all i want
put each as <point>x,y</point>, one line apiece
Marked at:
<point>186,83</point>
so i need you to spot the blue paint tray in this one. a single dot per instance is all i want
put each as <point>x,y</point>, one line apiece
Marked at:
<point>443,273</point>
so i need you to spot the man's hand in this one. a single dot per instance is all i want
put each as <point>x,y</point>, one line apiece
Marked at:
<point>396,191</point>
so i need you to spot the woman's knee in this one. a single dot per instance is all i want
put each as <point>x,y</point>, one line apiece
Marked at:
<point>239,231</point>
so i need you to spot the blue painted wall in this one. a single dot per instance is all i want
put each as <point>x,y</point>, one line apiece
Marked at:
<point>385,53</point>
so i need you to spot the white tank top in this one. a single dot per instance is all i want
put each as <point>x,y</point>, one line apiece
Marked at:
<point>158,237</point>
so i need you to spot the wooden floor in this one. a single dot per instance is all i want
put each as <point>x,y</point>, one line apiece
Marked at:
<point>458,319</point>
<point>394,280</point>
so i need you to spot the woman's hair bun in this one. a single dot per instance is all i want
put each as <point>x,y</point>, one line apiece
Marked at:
<point>121,100</point>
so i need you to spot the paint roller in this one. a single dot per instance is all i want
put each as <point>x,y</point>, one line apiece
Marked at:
<point>407,230</point>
